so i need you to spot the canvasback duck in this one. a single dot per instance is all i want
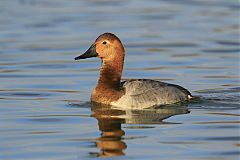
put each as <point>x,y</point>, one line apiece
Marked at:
<point>135,93</point>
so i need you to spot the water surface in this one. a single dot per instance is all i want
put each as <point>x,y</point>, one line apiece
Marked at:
<point>44,94</point>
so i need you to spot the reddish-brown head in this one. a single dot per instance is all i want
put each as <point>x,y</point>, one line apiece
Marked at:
<point>107,47</point>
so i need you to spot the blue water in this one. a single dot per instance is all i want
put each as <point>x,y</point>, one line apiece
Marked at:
<point>44,94</point>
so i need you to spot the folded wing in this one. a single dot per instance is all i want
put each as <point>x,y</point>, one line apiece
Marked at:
<point>144,93</point>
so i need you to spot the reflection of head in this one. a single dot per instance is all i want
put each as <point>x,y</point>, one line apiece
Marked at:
<point>110,141</point>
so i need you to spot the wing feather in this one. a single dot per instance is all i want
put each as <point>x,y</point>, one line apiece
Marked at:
<point>144,93</point>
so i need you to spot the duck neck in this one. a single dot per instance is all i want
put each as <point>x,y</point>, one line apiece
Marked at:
<point>111,73</point>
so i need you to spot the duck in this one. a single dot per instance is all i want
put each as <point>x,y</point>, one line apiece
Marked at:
<point>133,93</point>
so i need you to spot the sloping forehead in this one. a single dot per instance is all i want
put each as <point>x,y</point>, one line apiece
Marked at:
<point>107,36</point>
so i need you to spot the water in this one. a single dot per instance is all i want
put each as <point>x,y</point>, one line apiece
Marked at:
<point>44,94</point>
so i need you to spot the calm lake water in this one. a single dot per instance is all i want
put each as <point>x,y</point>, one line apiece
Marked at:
<point>44,94</point>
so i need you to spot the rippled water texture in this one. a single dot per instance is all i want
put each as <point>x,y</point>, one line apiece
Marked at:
<point>44,94</point>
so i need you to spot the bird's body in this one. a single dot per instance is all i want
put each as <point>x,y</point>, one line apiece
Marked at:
<point>144,93</point>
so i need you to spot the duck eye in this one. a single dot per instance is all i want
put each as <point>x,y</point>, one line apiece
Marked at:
<point>104,42</point>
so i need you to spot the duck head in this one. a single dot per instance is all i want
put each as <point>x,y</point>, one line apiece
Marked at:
<point>106,47</point>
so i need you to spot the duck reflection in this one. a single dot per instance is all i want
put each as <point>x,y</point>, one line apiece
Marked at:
<point>110,142</point>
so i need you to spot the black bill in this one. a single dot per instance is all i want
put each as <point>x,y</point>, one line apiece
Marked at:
<point>91,52</point>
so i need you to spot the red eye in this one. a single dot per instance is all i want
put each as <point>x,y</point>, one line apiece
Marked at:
<point>104,42</point>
